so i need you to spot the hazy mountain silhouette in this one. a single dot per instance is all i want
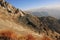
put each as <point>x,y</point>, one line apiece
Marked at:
<point>54,12</point>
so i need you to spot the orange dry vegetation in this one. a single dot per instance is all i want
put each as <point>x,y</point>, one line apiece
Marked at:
<point>14,36</point>
<point>30,37</point>
<point>8,34</point>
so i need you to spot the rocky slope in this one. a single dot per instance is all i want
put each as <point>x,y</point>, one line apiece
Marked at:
<point>18,25</point>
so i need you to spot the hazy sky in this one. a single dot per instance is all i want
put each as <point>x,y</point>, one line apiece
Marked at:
<point>30,4</point>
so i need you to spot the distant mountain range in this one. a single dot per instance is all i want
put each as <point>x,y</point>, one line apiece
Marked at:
<point>54,12</point>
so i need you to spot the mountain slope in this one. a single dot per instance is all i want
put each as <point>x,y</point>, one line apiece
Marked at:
<point>15,23</point>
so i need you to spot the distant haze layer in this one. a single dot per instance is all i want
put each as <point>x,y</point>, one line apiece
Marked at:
<point>46,11</point>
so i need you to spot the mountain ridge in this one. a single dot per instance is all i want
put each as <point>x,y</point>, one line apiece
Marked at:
<point>27,25</point>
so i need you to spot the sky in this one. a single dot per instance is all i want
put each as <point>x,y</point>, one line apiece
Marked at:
<point>31,4</point>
